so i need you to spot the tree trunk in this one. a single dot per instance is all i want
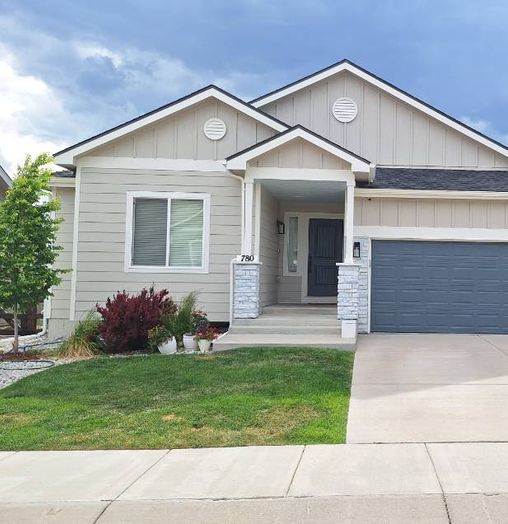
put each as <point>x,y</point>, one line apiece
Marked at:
<point>15,344</point>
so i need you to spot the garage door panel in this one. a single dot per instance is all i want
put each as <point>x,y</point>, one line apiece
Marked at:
<point>455,287</point>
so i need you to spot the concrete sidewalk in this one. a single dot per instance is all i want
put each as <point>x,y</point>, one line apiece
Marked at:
<point>362,483</point>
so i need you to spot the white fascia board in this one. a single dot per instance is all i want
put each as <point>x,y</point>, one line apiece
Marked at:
<point>288,173</point>
<point>387,89</point>
<point>240,162</point>
<point>5,177</point>
<point>155,164</point>
<point>62,182</point>
<point>67,158</point>
<point>434,194</point>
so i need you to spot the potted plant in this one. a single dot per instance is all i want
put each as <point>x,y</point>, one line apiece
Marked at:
<point>205,335</point>
<point>160,338</point>
<point>197,321</point>
<point>180,323</point>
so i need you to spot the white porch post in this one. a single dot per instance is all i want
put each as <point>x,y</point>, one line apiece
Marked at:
<point>249,208</point>
<point>349,211</point>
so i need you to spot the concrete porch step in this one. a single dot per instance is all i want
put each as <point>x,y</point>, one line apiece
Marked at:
<point>231,341</point>
<point>280,320</point>
<point>284,310</point>
<point>285,329</point>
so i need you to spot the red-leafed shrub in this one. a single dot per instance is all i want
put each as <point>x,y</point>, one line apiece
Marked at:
<point>128,318</point>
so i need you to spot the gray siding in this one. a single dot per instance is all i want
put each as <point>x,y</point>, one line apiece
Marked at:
<point>386,131</point>
<point>408,212</point>
<point>181,135</point>
<point>59,323</point>
<point>101,246</point>
<point>300,154</point>
<point>269,247</point>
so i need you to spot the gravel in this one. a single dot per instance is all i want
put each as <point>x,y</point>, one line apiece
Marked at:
<point>11,372</point>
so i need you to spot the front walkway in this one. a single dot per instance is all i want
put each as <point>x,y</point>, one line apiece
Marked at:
<point>429,388</point>
<point>434,483</point>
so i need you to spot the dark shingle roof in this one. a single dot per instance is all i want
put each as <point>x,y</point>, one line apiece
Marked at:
<point>439,179</point>
<point>65,173</point>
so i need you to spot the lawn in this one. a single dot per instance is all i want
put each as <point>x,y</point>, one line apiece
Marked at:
<point>236,398</point>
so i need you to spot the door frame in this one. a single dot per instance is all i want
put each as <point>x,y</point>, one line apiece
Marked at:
<point>303,253</point>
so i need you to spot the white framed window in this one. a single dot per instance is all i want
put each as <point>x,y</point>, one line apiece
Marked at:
<point>167,232</point>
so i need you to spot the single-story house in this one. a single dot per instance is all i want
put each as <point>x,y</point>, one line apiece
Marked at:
<point>5,182</point>
<point>339,188</point>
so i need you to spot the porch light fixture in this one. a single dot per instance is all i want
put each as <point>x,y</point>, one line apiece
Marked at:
<point>356,250</point>
<point>281,229</point>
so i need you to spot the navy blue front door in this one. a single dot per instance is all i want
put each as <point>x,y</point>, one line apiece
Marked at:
<point>325,250</point>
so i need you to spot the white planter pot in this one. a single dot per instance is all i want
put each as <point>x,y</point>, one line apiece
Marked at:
<point>189,343</point>
<point>204,345</point>
<point>168,347</point>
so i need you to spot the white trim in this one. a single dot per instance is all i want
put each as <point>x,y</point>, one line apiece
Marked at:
<point>349,213</point>
<point>240,162</point>
<point>345,66</point>
<point>434,194</point>
<point>131,195</point>
<point>62,182</point>
<point>5,177</point>
<point>257,222</point>
<point>451,234</point>
<point>68,156</point>
<point>309,175</point>
<point>249,208</point>
<point>75,235</point>
<point>155,164</point>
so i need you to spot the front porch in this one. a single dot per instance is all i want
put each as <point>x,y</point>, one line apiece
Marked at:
<point>297,238</point>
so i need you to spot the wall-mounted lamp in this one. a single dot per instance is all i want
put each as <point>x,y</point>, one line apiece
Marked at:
<point>281,229</point>
<point>356,250</point>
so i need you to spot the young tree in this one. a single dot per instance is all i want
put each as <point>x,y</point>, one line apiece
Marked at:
<point>27,240</point>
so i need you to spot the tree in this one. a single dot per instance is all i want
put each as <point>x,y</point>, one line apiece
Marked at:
<point>28,247</point>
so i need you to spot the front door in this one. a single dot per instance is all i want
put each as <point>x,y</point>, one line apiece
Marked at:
<point>325,250</point>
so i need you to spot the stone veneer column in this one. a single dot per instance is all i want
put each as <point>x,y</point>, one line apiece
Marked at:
<point>348,298</point>
<point>363,284</point>
<point>246,278</point>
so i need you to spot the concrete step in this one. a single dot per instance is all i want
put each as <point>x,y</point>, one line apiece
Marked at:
<point>285,329</point>
<point>231,341</point>
<point>280,320</point>
<point>289,310</point>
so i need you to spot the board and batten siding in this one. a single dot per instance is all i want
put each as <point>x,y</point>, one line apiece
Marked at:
<point>268,248</point>
<point>408,212</point>
<point>299,154</point>
<point>181,136</point>
<point>102,223</point>
<point>386,130</point>
<point>60,301</point>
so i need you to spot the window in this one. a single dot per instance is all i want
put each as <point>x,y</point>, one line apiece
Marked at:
<point>292,248</point>
<point>169,232</point>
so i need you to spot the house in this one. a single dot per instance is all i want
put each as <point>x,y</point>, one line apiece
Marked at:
<point>339,189</point>
<point>5,182</point>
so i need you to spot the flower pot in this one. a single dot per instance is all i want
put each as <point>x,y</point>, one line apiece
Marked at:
<point>204,345</point>
<point>189,343</point>
<point>168,347</point>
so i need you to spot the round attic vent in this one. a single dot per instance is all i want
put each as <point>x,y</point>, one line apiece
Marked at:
<point>214,128</point>
<point>344,109</point>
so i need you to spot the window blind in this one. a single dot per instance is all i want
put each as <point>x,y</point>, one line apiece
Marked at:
<point>186,233</point>
<point>150,232</point>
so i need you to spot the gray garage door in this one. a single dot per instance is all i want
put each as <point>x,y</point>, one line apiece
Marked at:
<point>439,287</point>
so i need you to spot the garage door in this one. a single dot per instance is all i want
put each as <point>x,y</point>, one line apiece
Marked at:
<point>439,287</point>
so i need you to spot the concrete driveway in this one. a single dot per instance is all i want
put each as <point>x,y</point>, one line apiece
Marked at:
<point>429,388</point>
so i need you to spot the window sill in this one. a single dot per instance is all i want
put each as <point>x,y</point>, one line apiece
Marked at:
<point>155,269</point>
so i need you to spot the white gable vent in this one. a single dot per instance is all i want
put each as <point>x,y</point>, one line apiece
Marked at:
<point>214,128</point>
<point>344,109</point>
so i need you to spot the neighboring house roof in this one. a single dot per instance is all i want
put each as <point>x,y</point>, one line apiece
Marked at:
<point>347,65</point>
<point>439,179</point>
<point>5,180</point>
<point>240,159</point>
<point>64,156</point>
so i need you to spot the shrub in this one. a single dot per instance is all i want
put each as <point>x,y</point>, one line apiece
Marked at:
<point>180,322</point>
<point>84,341</point>
<point>127,319</point>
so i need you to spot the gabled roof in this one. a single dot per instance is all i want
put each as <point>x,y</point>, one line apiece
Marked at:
<point>347,65</point>
<point>65,156</point>
<point>439,179</point>
<point>5,177</point>
<point>239,160</point>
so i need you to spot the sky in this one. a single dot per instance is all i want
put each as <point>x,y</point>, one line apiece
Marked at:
<point>69,70</point>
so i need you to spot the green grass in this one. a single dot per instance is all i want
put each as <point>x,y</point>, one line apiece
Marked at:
<point>241,397</point>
